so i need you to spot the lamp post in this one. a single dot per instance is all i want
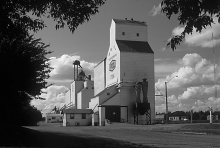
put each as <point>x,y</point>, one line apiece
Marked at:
<point>167,118</point>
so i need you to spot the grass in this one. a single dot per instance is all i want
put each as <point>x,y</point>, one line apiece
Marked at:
<point>52,135</point>
<point>212,129</point>
<point>15,136</point>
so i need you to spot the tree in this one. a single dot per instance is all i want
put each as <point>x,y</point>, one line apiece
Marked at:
<point>192,14</point>
<point>24,70</point>
<point>23,62</point>
<point>16,18</point>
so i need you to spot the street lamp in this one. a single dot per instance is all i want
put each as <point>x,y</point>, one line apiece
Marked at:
<point>167,118</point>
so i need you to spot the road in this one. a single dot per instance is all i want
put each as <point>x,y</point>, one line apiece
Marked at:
<point>150,135</point>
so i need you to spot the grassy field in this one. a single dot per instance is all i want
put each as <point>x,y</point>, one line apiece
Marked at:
<point>15,136</point>
<point>205,128</point>
<point>113,136</point>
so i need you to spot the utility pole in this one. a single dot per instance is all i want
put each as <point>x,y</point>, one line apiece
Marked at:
<point>167,117</point>
<point>214,74</point>
<point>210,110</point>
<point>191,113</point>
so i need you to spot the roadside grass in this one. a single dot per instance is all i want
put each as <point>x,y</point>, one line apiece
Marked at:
<point>211,129</point>
<point>15,136</point>
<point>205,128</point>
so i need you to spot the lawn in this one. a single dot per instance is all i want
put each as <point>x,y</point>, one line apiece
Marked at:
<point>113,136</point>
<point>15,136</point>
<point>206,128</point>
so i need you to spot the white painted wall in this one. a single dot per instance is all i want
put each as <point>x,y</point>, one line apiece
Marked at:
<point>79,100</point>
<point>84,96</point>
<point>101,116</point>
<point>131,32</point>
<point>94,102</point>
<point>112,33</point>
<point>130,67</point>
<point>77,119</point>
<point>76,87</point>
<point>113,77</point>
<point>99,77</point>
<point>135,67</point>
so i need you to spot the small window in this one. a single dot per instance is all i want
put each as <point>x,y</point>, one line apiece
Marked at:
<point>137,34</point>
<point>60,117</point>
<point>72,116</point>
<point>83,116</point>
<point>53,117</point>
<point>108,94</point>
<point>123,33</point>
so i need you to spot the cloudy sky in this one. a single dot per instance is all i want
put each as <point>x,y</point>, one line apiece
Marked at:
<point>192,62</point>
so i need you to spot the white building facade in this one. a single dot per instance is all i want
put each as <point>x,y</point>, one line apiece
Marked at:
<point>129,60</point>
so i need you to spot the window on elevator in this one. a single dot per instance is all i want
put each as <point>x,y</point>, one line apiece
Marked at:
<point>83,116</point>
<point>72,116</point>
<point>137,34</point>
<point>123,33</point>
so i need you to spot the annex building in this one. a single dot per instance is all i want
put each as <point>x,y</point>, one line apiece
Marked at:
<point>123,89</point>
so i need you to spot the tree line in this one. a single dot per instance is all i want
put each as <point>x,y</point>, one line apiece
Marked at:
<point>196,115</point>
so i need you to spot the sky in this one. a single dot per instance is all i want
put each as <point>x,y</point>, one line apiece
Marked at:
<point>192,61</point>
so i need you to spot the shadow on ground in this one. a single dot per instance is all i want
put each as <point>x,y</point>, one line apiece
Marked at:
<point>15,136</point>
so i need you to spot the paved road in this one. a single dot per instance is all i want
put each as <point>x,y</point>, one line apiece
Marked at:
<point>146,135</point>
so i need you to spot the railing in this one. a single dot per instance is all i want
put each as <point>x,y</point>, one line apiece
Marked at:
<point>107,122</point>
<point>109,98</point>
<point>122,120</point>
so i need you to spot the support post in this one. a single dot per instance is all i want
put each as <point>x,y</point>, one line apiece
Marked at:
<point>77,71</point>
<point>74,72</point>
<point>167,118</point>
<point>210,115</point>
<point>191,113</point>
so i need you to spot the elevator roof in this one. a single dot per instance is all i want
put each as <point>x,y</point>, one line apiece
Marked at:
<point>129,22</point>
<point>134,46</point>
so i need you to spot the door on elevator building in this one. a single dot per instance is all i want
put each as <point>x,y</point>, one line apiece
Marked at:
<point>113,113</point>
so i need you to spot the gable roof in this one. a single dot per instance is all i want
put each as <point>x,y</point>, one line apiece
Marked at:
<point>134,46</point>
<point>130,22</point>
<point>78,111</point>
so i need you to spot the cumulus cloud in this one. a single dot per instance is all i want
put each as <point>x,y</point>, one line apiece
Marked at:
<point>193,88</point>
<point>164,67</point>
<point>203,39</point>
<point>204,105</point>
<point>199,92</point>
<point>63,67</point>
<point>54,96</point>
<point>195,71</point>
<point>156,10</point>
